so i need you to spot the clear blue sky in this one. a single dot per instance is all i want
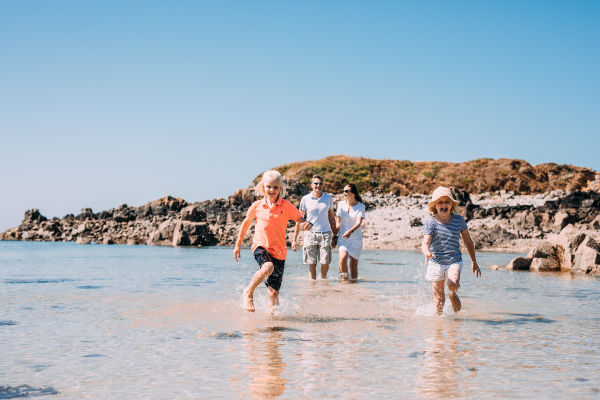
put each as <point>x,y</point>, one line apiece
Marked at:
<point>112,102</point>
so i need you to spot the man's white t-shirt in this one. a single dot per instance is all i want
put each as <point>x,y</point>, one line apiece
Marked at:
<point>317,211</point>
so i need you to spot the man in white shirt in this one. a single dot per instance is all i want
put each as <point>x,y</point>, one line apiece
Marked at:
<point>317,208</point>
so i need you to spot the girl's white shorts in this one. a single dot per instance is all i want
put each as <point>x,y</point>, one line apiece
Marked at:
<point>438,272</point>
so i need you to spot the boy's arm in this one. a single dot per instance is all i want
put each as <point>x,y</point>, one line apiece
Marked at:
<point>295,215</point>
<point>304,225</point>
<point>425,247</point>
<point>238,243</point>
<point>295,241</point>
<point>471,249</point>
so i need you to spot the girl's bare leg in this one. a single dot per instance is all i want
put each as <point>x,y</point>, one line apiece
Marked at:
<point>258,277</point>
<point>353,268</point>
<point>344,264</point>
<point>453,283</point>
<point>439,297</point>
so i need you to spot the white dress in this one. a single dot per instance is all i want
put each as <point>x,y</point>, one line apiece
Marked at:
<point>348,217</point>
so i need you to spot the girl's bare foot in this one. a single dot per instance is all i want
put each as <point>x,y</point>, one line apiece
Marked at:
<point>248,302</point>
<point>456,305</point>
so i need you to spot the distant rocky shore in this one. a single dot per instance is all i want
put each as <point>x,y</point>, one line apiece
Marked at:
<point>510,206</point>
<point>498,221</point>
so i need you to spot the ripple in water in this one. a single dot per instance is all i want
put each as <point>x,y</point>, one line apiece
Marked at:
<point>13,392</point>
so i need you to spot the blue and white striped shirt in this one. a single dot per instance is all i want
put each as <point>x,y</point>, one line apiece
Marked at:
<point>444,239</point>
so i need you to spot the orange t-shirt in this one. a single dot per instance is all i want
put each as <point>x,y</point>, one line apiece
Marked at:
<point>271,225</point>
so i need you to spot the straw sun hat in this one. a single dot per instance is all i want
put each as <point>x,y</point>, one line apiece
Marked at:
<point>438,193</point>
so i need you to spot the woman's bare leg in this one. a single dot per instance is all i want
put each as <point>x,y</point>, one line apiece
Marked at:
<point>344,264</point>
<point>353,268</point>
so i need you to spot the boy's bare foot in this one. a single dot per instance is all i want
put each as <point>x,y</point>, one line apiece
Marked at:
<point>456,305</point>
<point>248,302</point>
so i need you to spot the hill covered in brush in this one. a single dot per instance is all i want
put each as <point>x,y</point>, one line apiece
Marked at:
<point>402,177</point>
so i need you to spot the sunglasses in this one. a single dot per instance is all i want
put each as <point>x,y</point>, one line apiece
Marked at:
<point>347,191</point>
<point>317,183</point>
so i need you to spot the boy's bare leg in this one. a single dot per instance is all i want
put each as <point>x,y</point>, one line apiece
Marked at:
<point>258,277</point>
<point>312,271</point>
<point>273,299</point>
<point>439,297</point>
<point>453,283</point>
<point>344,265</point>
<point>353,268</point>
<point>324,270</point>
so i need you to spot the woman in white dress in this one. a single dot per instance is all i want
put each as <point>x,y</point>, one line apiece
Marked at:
<point>349,216</point>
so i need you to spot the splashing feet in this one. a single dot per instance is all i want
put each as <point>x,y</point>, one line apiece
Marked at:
<point>248,301</point>
<point>456,305</point>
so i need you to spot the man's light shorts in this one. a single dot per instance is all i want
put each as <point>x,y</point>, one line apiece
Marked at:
<point>316,247</point>
<point>438,272</point>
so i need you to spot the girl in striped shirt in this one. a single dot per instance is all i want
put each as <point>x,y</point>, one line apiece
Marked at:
<point>441,248</point>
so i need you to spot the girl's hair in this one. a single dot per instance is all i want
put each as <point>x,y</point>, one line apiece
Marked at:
<point>260,188</point>
<point>354,191</point>
<point>433,211</point>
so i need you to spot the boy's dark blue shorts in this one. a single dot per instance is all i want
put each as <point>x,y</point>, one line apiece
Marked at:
<point>262,256</point>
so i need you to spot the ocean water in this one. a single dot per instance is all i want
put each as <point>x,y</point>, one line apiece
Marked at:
<point>137,322</point>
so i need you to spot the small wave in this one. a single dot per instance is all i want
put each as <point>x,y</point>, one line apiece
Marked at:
<point>386,263</point>
<point>224,335</point>
<point>278,329</point>
<point>89,287</point>
<point>515,321</point>
<point>94,355</point>
<point>8,323</point>
<point>13,392</point>
<point>416,354</point>
<point>25,281</point>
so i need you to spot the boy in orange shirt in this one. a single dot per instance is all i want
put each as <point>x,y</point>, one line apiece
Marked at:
<point>272,214</point>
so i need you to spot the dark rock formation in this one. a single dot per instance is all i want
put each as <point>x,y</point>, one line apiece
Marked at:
<point>519,264</point>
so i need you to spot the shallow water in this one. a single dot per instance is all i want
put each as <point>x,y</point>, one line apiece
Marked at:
<point>149,322</point>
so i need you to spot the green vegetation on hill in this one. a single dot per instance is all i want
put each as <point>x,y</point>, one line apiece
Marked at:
<point>403,177</point>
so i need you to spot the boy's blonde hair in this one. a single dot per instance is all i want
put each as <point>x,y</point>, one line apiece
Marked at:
<point>260,187</point>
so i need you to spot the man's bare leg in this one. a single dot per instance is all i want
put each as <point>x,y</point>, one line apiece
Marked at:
<point>258,277</point>
<point>324,270</point>
<point>312,271</point>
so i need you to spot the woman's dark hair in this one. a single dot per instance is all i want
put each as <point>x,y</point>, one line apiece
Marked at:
<point>354,191</point>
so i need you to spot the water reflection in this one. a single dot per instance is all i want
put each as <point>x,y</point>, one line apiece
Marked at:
<point>438,376</point>
<point>267,366</point>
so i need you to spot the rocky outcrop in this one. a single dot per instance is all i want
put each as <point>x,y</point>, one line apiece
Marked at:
<point>571,251</point>
<point>561,226</point>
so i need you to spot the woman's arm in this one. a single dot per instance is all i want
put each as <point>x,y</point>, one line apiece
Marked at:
<point>471,249</point>
<point>350,231</point>
<point>425,247</point>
